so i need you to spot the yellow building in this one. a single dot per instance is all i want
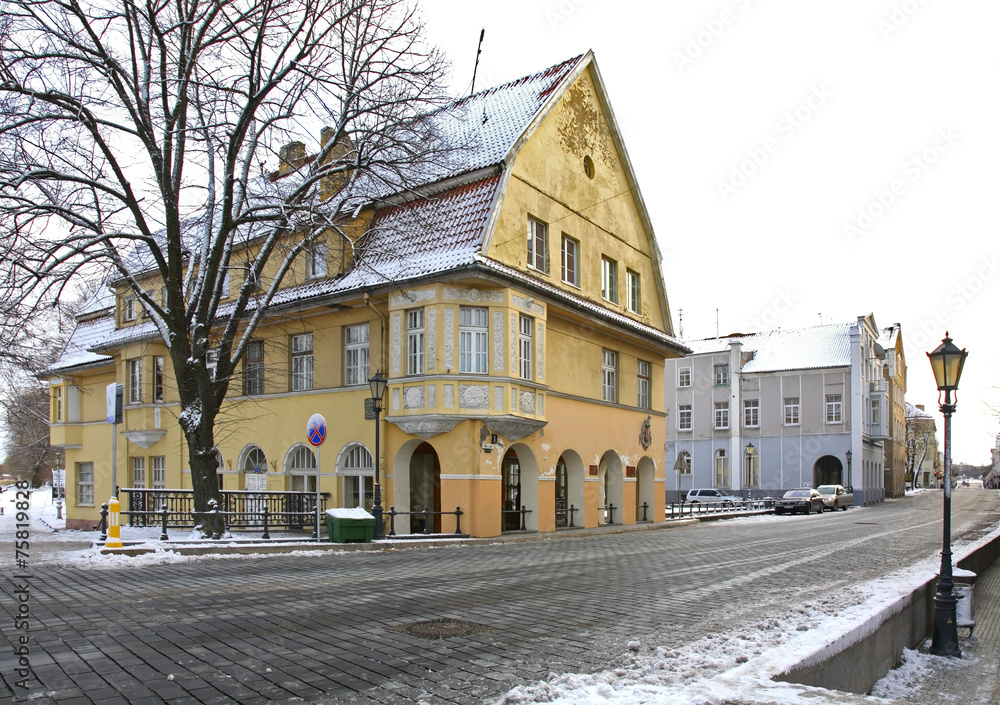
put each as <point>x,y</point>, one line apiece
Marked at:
<point>518,312</point>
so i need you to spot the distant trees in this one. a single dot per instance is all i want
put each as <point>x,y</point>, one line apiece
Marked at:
<point>137,142</point>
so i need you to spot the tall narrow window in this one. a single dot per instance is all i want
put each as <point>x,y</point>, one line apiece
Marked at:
<point>356,354</point>
<point>751,413</point>
<point>876,412</point>
<point>834,408</point>
<point>158,471</point>
<point>358,472</point>
<point>302,468</point>
<point>684,417</point>
<point>634,292</point>
<point>415,341</point>
<point>212,361</point>
<point>85,483</point>
<point>134,369</point>
<point>537,240</point>
<point>570,261</point>
<point>642,384</point>
<point>157,378</point>
<point>130,308</point>
<point>609,376</point>
<point>721,469</point>
<point>609,280</point>
<point>722,414</point>
<point>791,411</point>
<point>524,347</point>
<point>472,339</point>
<point>253,368</point>
<point>302,362</point>
<point>57,404</point>
<point>139,472</point>
<point>316,261</point>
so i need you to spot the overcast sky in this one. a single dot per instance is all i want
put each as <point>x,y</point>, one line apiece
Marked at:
<point>802,162</point>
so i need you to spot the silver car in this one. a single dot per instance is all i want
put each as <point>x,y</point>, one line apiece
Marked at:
<point>713,495</point>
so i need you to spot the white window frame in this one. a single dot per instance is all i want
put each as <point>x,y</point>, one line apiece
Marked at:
<point>85,484</point>
<point>792,415</point>
<point>415,341</point>
<point>138,471</point>
<point>316,266</point>
<point>302,465</point>
<point>253,369</point>
<point>634,291</point>
<point>751,413</point>
<point>642,369</point>
<point>473,339</point>
<point>721,415</point>
<point>57,404</point>
<point>302,362</point>
<point>525,345</point>
<point>683,376</point>
<point>130,309</point>
<point>609,376</point>
<point>133,368</point>
<point>158,472</point>
<point>684,417</point>
<point>570,260</point>
<point>157,378</point>
<point>538,240</point>
<point>876,412</point>
<point>609,280</point>
<point>358,467</point>
<point>722,375</point>
<point>356,354</point>
<point>834,408</point>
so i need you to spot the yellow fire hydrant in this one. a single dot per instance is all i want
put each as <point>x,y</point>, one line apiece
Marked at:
<point>114,531</point>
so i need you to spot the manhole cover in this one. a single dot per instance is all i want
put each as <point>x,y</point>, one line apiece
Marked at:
<point>440,628</point>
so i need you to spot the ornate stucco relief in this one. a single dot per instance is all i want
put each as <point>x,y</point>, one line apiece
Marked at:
<point>449,339</point>
<point>498,341</point>
<point>449,396</point>
<point>497,398</point>
<point>408,298</point>
<point>473,396</point>
<point>541,351</point>
<point>527,402</point>
<point>413,398</point>
<point>396,326</point>
<point>431,338</point>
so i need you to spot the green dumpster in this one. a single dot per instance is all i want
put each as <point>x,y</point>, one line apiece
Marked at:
<point>353,525</point>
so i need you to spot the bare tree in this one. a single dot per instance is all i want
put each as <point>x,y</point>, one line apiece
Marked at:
<point>134,139</point>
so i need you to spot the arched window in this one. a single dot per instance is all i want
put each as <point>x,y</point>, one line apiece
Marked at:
<point>301,466</point>
<point>721,469</point>
<point>358,470</point>
<point>255,461</point>
<point>684,463</point>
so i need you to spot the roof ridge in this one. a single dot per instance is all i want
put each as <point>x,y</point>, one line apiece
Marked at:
<point>551,70</point>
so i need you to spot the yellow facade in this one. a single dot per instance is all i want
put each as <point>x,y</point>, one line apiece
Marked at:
<point>514,383</point>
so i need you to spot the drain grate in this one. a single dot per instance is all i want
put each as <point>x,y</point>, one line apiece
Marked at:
<point>440,628</point>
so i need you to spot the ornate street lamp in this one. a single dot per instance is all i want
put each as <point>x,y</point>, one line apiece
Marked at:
<point>947,362</point>
<point>377,384</point>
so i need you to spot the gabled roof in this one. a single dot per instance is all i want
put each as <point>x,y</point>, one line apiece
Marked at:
<point>817,347</point>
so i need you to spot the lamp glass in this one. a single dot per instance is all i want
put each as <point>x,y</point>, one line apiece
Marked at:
<point>377,385</point>
<point>947,362</point>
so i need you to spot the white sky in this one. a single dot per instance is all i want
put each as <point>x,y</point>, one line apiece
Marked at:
<point>890,94</point>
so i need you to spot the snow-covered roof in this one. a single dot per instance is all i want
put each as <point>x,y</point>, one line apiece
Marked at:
<point>913,412</point>
<point>817,347</point>
<point>88,334</point>
<point>888,336</point>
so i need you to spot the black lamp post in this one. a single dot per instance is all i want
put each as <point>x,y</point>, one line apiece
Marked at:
<point>377,384</point>
<point>947,362</point>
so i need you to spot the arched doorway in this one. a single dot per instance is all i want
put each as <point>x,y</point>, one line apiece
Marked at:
<point>569,490</point>
<point>611,492</point>
<point>253,465</point>
<point>511,492</point>
<point>828,471</point>
<point>425,489</point>
<point>645,491</point>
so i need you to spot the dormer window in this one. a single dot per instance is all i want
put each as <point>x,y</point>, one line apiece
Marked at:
<point>130,309</point>
<point>316,261</point>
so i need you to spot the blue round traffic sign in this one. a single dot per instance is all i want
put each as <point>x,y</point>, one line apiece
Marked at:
<point>316,430</point>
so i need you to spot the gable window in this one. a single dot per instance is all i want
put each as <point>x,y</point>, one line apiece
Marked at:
<point>751,413</point>
<point>472,339</point>
<point>134,370</point>
<point>85,483</point>
<point>721,469</point>
<point>642,384</point>
<point>356,354</point>
<point>722,414</point>
<point>721,375</point>
<point>684,377</point>
<point>791,411</point>
<point>570,261</point>
<point>302,362</point>
<point>634,288</point>
<point>834,408</point>
<point>157,378</point>
<point>684,417</point>
<point>524,346</point>
<point>415,341</point>
<point>609,280</point>
<point>316,261</point>
<point>537,245</point>
<point>253,368</point>
<point>609,376</point>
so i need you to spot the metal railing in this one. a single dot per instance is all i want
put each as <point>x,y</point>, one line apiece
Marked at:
<point>677,510</point>
<point>426,514</point>
<point>567,516</point>
<point>240,508</point>
<point>523,511</point>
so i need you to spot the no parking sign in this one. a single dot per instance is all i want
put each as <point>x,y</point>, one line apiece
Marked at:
<point>316,430</point>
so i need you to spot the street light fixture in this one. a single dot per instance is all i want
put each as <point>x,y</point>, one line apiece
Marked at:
<point>946,362</point>
<point>377,385</point>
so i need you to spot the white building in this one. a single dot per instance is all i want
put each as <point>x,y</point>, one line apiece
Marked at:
<point>764,413</point>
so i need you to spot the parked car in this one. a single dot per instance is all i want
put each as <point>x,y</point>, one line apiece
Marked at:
<point>804,499</point>
<point>714,495</point>
<point>836,497</point>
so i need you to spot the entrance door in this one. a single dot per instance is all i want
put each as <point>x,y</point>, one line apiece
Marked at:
<point>255,480</point>
<point>425,489</point>
<point>511,492</point>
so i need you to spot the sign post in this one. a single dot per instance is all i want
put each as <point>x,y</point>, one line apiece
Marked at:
<point>316,434</point>
<point>113,398</point>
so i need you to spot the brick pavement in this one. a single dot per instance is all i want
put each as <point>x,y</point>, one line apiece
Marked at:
<point>325,627</point>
